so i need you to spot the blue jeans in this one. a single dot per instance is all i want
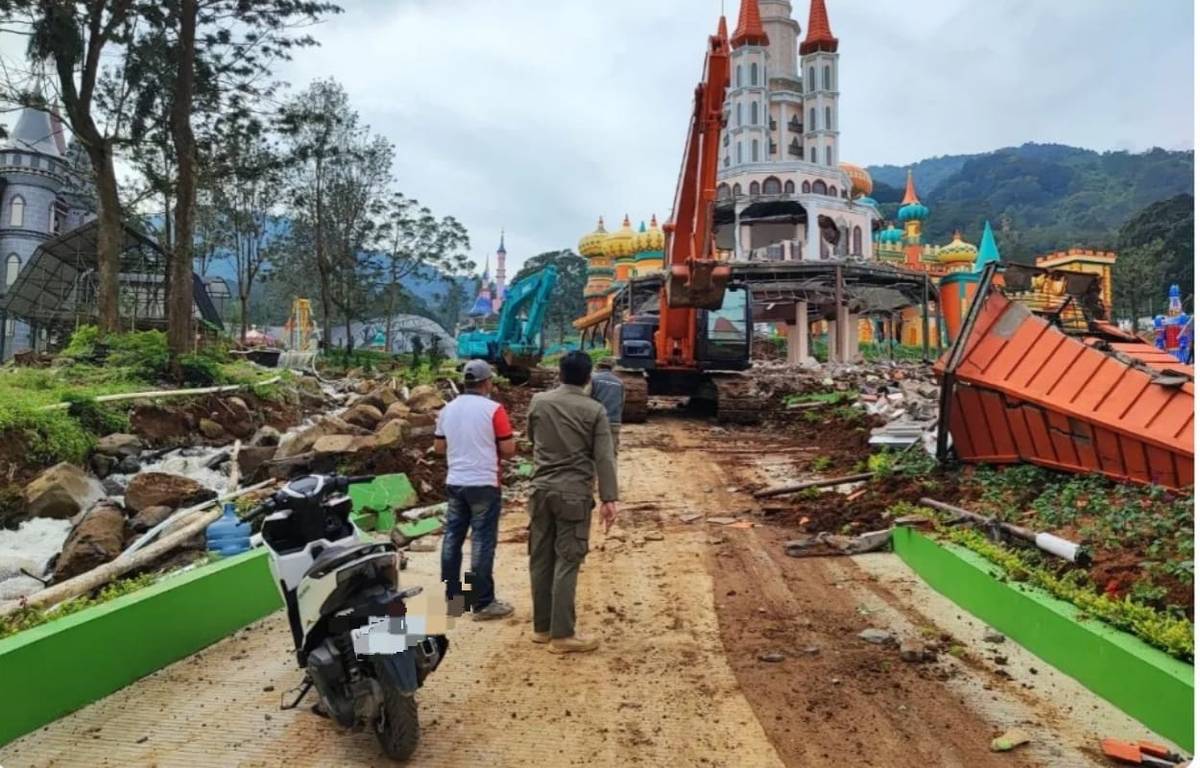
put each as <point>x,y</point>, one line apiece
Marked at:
<point>476,507</point>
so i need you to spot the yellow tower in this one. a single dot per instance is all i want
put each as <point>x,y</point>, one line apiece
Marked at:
<point>600,271</point>
<point>649,256</point>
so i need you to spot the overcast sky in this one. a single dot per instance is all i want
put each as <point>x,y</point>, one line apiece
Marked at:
<point>539,115</point>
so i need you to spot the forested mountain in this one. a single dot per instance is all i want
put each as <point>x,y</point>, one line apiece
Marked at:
<point>1039,197</point>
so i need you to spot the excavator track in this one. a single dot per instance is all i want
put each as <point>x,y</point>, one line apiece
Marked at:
<point>738,402</point>
<point>636,397</point>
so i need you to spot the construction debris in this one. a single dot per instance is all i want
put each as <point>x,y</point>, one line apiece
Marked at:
<point>781,490</point>
<point>1010,740</point>
<point>826,543</point>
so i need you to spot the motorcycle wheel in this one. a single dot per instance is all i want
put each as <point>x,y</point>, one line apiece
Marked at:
<point>398,728</point>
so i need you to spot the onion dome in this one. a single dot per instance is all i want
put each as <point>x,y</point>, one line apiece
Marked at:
<point>911,208</point>
<point>890,236</point>
<point>650,241</point>
<point>592,244</point>
<point>869,201</point>
<point>620,243</point>
<point>749,29</point>
<point>860,180</point>
<point>957,251</point>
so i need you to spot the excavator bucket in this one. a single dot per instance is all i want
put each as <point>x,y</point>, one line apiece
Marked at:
<point>702,286</point>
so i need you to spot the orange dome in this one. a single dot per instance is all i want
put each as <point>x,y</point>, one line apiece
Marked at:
<point>860,180</point>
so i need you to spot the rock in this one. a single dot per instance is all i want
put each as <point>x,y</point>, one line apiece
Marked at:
<point>114,487</point>
<point>876,636</point>
<point>148,518</point>
<point>62,491</point>
<point>811,650</point>
<point>1010,740</point>
<point>722,520</point>
<point>396,410</point>
<point>654,536</point>
<point>390,433</point>
<point>242,418</point>
<point>119,445</point>
<point>335,445</point>
<point>423,545</point>
<point>99,537</point>
<point>771,657</point>
<point>250,459</point>
<point>128,465</point>
<point>102,465</point>
<point>421,424</point>
<point>616,534</point>
<point>381,398</point>
<point>690,517</point>
<point>211,429</point>
<point>302,442</point>
<point>157,424</point>
<point>913,652</point>
<point>993,636</point>
<point>362,415</point>
<point>155,489</point>
<point>425,399</point>
<point>266,436</point>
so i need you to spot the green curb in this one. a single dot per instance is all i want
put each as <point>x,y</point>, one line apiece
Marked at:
<point>1152,687</point>
<point>58,667</point>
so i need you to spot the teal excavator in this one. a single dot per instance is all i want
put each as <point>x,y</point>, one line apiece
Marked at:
<point>515,346</point>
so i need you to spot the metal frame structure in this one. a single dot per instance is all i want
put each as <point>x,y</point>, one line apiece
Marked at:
<point>57,288</point>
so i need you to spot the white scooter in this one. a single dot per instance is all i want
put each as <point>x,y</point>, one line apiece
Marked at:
<point>347,612</point>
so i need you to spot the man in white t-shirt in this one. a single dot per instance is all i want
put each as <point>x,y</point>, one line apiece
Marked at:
<point>474,433</point>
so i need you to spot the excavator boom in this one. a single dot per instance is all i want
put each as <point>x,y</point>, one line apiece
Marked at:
<point>695,277</point>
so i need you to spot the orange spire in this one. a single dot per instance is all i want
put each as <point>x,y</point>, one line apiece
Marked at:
<point>626,222</point>
<point>749,29</point>
<point>820,36</point>
<point>910,191</point>
<point>653,220</point>
<point>722,28</point>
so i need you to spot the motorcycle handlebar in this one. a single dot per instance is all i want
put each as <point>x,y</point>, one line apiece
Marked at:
<point>354,479</point>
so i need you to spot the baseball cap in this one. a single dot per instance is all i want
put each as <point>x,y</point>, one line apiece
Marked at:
<point>476,370</point>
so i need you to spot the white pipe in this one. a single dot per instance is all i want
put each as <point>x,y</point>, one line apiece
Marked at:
<point>159,393</point>
<point>1067,550</point>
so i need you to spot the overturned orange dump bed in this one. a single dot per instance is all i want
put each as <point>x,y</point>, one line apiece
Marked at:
<point>1020,389</point>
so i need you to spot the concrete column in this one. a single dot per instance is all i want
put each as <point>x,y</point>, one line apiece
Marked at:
<point>812,242</point>
<point>737,232</point>
<point>744,239</point>
<point>850,342</point>
<point>797,348</point>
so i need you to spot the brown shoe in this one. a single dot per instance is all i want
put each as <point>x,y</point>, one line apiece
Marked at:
<point>575,644</point>
<point>540,637</point>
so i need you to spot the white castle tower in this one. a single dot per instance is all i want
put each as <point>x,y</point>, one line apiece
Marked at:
<point>783,192</point>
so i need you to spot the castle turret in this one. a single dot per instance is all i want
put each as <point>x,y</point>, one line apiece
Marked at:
<point>501,288</point>
<point>819,64</point>
<point>748,123</point>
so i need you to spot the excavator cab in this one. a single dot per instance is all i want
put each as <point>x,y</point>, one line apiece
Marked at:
<point>724,334</point>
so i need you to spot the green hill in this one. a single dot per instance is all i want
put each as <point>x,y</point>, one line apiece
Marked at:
<point>1039,197</point>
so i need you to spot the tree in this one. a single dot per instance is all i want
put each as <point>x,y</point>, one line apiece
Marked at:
<point>1171,221</point>
<point>1137,276</point>
<point>313,124</point>
<point>84,46</point>
<point>414,241</point>
<point>221,50</point>
<point>357,183</point>
<point>567,304</point>
<point>249,191</point>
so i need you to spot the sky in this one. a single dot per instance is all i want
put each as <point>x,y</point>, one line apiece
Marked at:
<point>537,116</point>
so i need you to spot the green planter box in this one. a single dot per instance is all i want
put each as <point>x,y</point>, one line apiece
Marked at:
<point>58,667</point>
<point>1154,688</point>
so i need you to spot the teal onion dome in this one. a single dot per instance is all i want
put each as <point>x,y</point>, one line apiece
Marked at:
<point>869,201</point>
<point>913,211</point>
<point>890,236</point>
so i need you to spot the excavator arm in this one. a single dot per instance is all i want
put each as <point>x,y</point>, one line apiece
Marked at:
<point>695,277</point>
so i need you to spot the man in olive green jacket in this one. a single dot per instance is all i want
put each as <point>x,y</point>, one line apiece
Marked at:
<point>572,449</point>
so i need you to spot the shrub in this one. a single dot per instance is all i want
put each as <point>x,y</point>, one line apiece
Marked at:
<point>144,352</point>
<point>82,343</point>
<point>94,417</point>
<point>200,370</point>
<point>48,436</point>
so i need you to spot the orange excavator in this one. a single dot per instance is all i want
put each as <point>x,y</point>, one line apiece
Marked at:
<point>695,338</point>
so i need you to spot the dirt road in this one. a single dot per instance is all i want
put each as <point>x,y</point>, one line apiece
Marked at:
<point>717,651</point>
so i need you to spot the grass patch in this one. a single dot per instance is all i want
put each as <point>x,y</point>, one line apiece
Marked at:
<point>28,618</point>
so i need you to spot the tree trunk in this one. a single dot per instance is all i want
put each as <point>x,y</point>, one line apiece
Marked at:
<point>108,239</point>
<point>179,287</point>
<point>390,312</point>
<point>322,268</point>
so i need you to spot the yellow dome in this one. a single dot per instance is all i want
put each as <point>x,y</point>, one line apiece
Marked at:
<point>592,244</point>
<point>957,251</point>
<point>656,239</point>
<point>620,244</point>
<point>860,180</point>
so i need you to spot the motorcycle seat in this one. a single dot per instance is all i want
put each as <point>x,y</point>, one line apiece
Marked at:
<point>336,555</point>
